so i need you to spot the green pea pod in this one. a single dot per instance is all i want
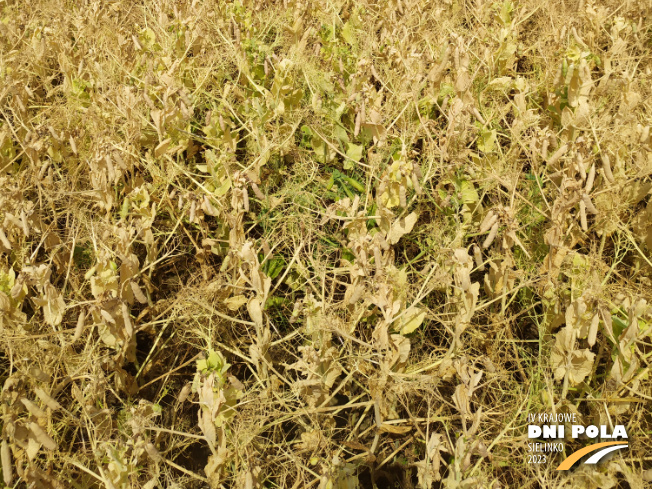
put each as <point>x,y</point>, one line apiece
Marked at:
<point>124,211</point>
<point>347,191</point>
<point>355,184</point>
<point>330,183</point>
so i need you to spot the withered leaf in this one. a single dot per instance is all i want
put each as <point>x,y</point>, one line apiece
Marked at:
<point>401,227</point>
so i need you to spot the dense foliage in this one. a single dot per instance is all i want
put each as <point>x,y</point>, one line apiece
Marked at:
<point>330,244</point>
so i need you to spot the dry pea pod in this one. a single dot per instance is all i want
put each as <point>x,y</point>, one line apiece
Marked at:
<point>558,154</point>
<point>577,38</point>
<point>110,167</point>
<point>107,316</point>
<point>589,205</point>
<point>645,135</point>
<point>580,166</point>
<point>358,123</point>
<point>606,165</point>
<point>208,207</point>
<point>138,293</point>
<point>590,179</point>
<point>81,320</point>
<point>488,221</point>
<point>415,183</point>
<point>377,259</point>
<point>42,437</point>
<point>478,116</point>
<point>402,196</point>
<point>544,149</point>
<point>33,408</point>
<point>593,329</point>
<point>259,195</point>
<point>127,320</point>
<point>491,237</point>
<point>356,295</point>
<point>382,242</point>
<point>185,392</point>
<point>7,466</point>
<point>558,77</point>
<point>19,101</point>
<point>153,452</point>
<point>583,223</point>
<point>191,217</point>
<point>437,71</point>
<point>23,222</point>
<point>55,136</point>
<point>38,374</point>
<point>417,170</point>
<point>225,263</point>
<point>3,239</point>
<point>477,255</point>
<point>73,145</point>
<point>245,198</point>
<point>47,400</point>
<point>608,324</point>
<point>44,169</point>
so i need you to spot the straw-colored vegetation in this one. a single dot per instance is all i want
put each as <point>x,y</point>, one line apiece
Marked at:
<point>328,244</point>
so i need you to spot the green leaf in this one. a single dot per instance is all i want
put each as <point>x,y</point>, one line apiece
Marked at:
<point>506,12</point>
<point>487,141</point>
<point>347,33</point>
<point>275,301</point>
<point>224,188</point>
<point>340,133</point>
<point>202,365</point>
<point>469,194</point>
<point>618,325</point>
<point>213,361</point>
<point>348,256</point>
<point>354,151</point>
<point>273,267</point>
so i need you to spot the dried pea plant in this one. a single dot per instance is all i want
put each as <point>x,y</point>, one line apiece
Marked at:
<point>321,244</point>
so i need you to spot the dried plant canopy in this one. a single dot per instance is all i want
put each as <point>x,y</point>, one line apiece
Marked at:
<point>338,245</point>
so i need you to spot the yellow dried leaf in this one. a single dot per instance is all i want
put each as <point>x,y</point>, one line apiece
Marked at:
<point>412,321</point>
<point>401,227</point>
<point>162,148</point>
<point>255,311</point>
<point>394,429</point>
<point>236,302</point>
